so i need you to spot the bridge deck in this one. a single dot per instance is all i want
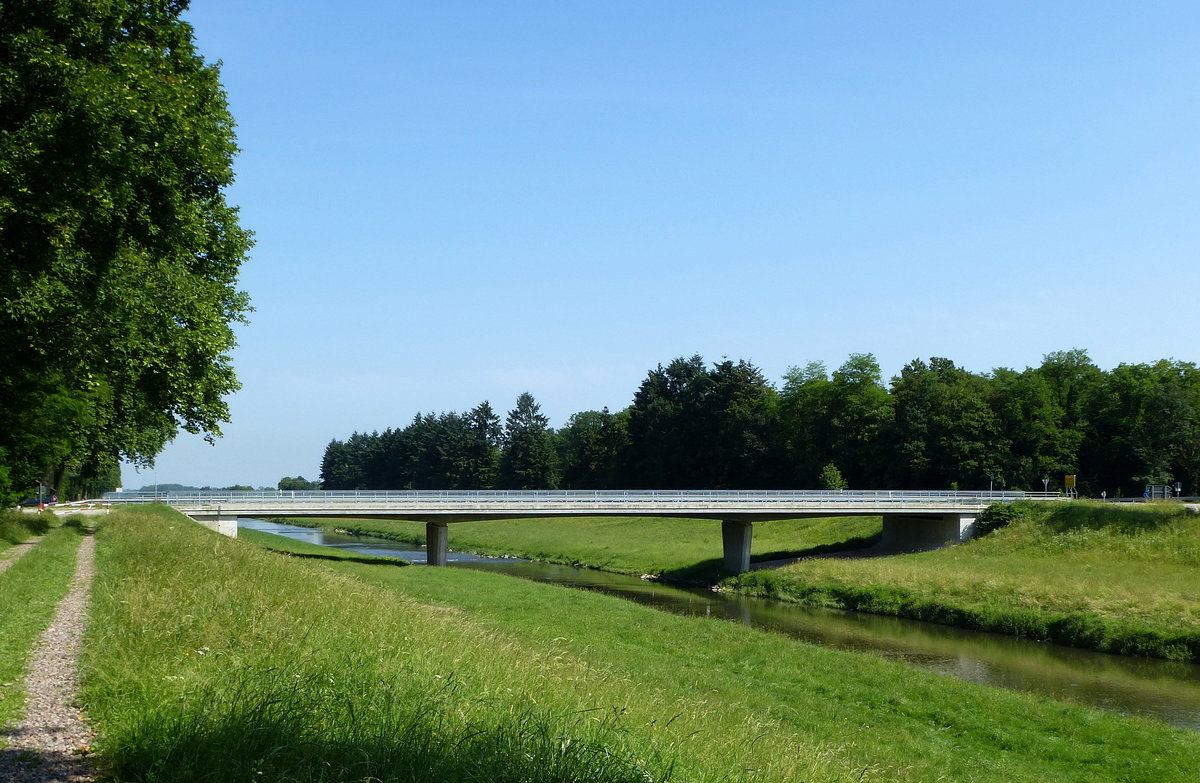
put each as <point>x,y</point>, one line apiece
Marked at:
<point>944,515</point>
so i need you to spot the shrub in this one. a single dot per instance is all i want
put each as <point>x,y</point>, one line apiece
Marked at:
<point>996,516</point>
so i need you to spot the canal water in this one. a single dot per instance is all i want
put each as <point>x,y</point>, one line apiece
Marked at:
<point>1166,690</point>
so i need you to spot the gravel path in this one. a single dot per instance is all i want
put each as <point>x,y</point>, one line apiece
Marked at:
<point>15,552</point>
<point>48,746</point>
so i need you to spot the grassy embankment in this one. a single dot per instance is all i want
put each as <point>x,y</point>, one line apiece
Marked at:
<point>30,590</point>
<point>683,550</point>
<point>1121,579</point>
<point>1116,578</point>
<point>211,659</point>
<point>16,527</point>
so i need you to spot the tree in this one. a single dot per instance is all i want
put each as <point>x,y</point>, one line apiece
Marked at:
<point>944,432</point>
<point>118,252</point>
<point>344,464</point>
<point>528,461</point>
<point>590,448</point>
<point>667,438</point>
<point>739,413</point>
<point>859,409</point>
<point>1144,420</point>
<point>297,484</point>
<point>804,422</point>
<point>482,447</point>
<point>831,478</point>
<point>1034,427</point>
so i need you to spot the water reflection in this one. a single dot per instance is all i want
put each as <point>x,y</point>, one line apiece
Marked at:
<point>1165,690</point>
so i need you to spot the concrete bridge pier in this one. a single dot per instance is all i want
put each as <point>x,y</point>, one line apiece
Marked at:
<point>910,532</point>
<point>437,537</point>
<point>736,537</point>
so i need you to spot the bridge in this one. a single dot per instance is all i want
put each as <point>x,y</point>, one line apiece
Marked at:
<point>911,519</point>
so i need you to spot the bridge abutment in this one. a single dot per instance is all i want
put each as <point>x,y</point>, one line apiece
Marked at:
<point>910,532</point>
<point>736,537</point>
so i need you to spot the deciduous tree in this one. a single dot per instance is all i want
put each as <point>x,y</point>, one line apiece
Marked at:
<point>118,251</point>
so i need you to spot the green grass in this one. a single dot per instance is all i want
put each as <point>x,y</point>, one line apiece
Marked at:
<point>17,527</point>
<point>1122,579</point>
<point>211,659</point>
<point>291,546</point>
<point>686,550</point>
<point>30,590</point>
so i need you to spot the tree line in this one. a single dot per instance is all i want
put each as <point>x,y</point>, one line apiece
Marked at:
<point>936,425</point>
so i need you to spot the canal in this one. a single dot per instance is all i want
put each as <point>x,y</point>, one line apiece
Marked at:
<point>1166,690</point>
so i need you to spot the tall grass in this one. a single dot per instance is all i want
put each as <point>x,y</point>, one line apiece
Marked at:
<point>30,590</point>
<point>17,527</point>
<point>1118,579</point>
<point>211,660</point>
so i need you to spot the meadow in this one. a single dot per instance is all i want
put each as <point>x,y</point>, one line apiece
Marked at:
<point>214,659</point>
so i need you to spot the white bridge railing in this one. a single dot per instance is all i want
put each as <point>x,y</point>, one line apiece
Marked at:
<point>266,498</point>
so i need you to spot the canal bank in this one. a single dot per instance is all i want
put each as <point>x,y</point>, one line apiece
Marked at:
<point>1165,690</point>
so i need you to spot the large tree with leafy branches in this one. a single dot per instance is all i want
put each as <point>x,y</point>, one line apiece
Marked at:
<point>119,253</point>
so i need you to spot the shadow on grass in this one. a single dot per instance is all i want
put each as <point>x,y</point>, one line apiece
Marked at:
<point>708,572</point>
<point>393,561</point>
<point>1118,518</point>
<point>22,765</point>
<point>281,726</point>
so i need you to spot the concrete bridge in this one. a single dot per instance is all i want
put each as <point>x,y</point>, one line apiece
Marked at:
<point>911,519</point>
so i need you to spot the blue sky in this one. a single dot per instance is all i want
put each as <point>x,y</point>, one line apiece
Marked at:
<point>457,201</point>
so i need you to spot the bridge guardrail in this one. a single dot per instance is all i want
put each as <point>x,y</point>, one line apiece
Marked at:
<point>331,497</point>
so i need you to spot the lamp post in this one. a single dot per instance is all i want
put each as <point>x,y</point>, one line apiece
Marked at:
<point>1045,485</point>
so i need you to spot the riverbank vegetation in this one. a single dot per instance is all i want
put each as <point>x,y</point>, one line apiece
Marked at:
<point>934,426</point>
<point>1116,578</point>
<point>30,590</point>
<point>209,658</point>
